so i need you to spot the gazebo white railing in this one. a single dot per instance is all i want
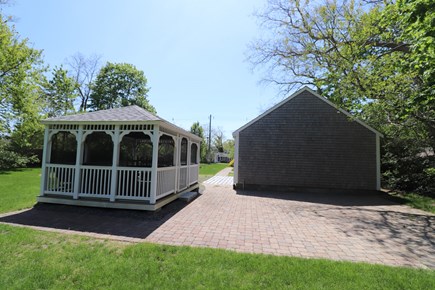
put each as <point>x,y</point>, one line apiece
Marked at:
<point>166,181</point>
<point>139,162</point>
<point>59,179</point>
<point>133,183</point>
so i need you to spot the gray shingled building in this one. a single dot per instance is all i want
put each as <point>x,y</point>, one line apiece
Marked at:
<point>306,142</point>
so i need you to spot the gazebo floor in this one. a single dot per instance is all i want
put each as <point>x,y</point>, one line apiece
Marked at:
<point>120,204</point>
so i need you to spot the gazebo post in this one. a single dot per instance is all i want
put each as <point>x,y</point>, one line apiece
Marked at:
<point>198,153</point>
<point>115,139</point>
<point>79,138</point>
<point>177,163</point>
<point>156,139</point>
<point>44,161</point>
<point>174,162</point>
<point>189,153</point>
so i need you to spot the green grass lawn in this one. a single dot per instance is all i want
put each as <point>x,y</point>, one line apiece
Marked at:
<point>212,168</point>
<point>33,259</point>
<point>208,170</point>
<point>18,189</point>
<point>415,200</point>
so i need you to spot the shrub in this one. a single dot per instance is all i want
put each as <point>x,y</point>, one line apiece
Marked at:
<point>10,159</point>
<point>407,167</point>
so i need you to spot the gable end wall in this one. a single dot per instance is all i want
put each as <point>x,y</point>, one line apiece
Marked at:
<point>307,143</point>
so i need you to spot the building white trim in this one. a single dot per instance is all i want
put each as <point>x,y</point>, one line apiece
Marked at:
<point>378,163</point>
<point>236,157</point>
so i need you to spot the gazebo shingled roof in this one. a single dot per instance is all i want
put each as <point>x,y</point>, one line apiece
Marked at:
<point>117,115</point>
<point>124,114</point>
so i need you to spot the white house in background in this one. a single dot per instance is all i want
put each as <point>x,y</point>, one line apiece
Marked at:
<point>118,158</point>
<point>221,157</point>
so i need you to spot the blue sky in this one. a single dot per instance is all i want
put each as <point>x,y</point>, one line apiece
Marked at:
<point>193,52</point>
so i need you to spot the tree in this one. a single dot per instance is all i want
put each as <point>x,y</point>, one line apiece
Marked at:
<point>21,69</point>
<point>84,70</point>
<point>414,21</point>
<point>376,59</point>
<point>119,85</point>
<point>218,140</point>
<point>355,53</point>
<point>10,159</point>
<point>20,74</point>
<point>60,93</point>
<point>229,147</point>
<point>198,130</point>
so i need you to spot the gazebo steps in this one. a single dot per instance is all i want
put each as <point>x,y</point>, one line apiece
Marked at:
<point>188,196</point>
<point>118,204</point>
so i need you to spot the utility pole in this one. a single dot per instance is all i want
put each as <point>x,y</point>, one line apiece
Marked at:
<point>209,138</point>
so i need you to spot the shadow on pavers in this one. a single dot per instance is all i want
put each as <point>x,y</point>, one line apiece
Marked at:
<point>117,222</point>
<point>331,197</point>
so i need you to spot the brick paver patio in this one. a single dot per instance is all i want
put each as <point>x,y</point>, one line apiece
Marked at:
<point>340,227</point>
<point>370,229</point>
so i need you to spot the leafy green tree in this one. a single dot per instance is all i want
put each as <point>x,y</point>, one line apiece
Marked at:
<point>10,159</point>
<point>198,130</point>
<point>60,93</point>
<point>119,85</point>
<point>414,22</point>
<point>27,137</point>
<point>21,69</point>
<point>20,75</point>
<point>229,147</point>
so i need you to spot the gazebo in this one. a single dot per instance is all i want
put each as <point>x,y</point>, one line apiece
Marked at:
<point>118,158</point>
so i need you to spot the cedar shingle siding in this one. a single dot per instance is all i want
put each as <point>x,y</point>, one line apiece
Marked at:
<point>307,143</point>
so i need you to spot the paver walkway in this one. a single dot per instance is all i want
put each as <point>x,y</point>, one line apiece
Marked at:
<point>370,229</point>
<point>221,178</point>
